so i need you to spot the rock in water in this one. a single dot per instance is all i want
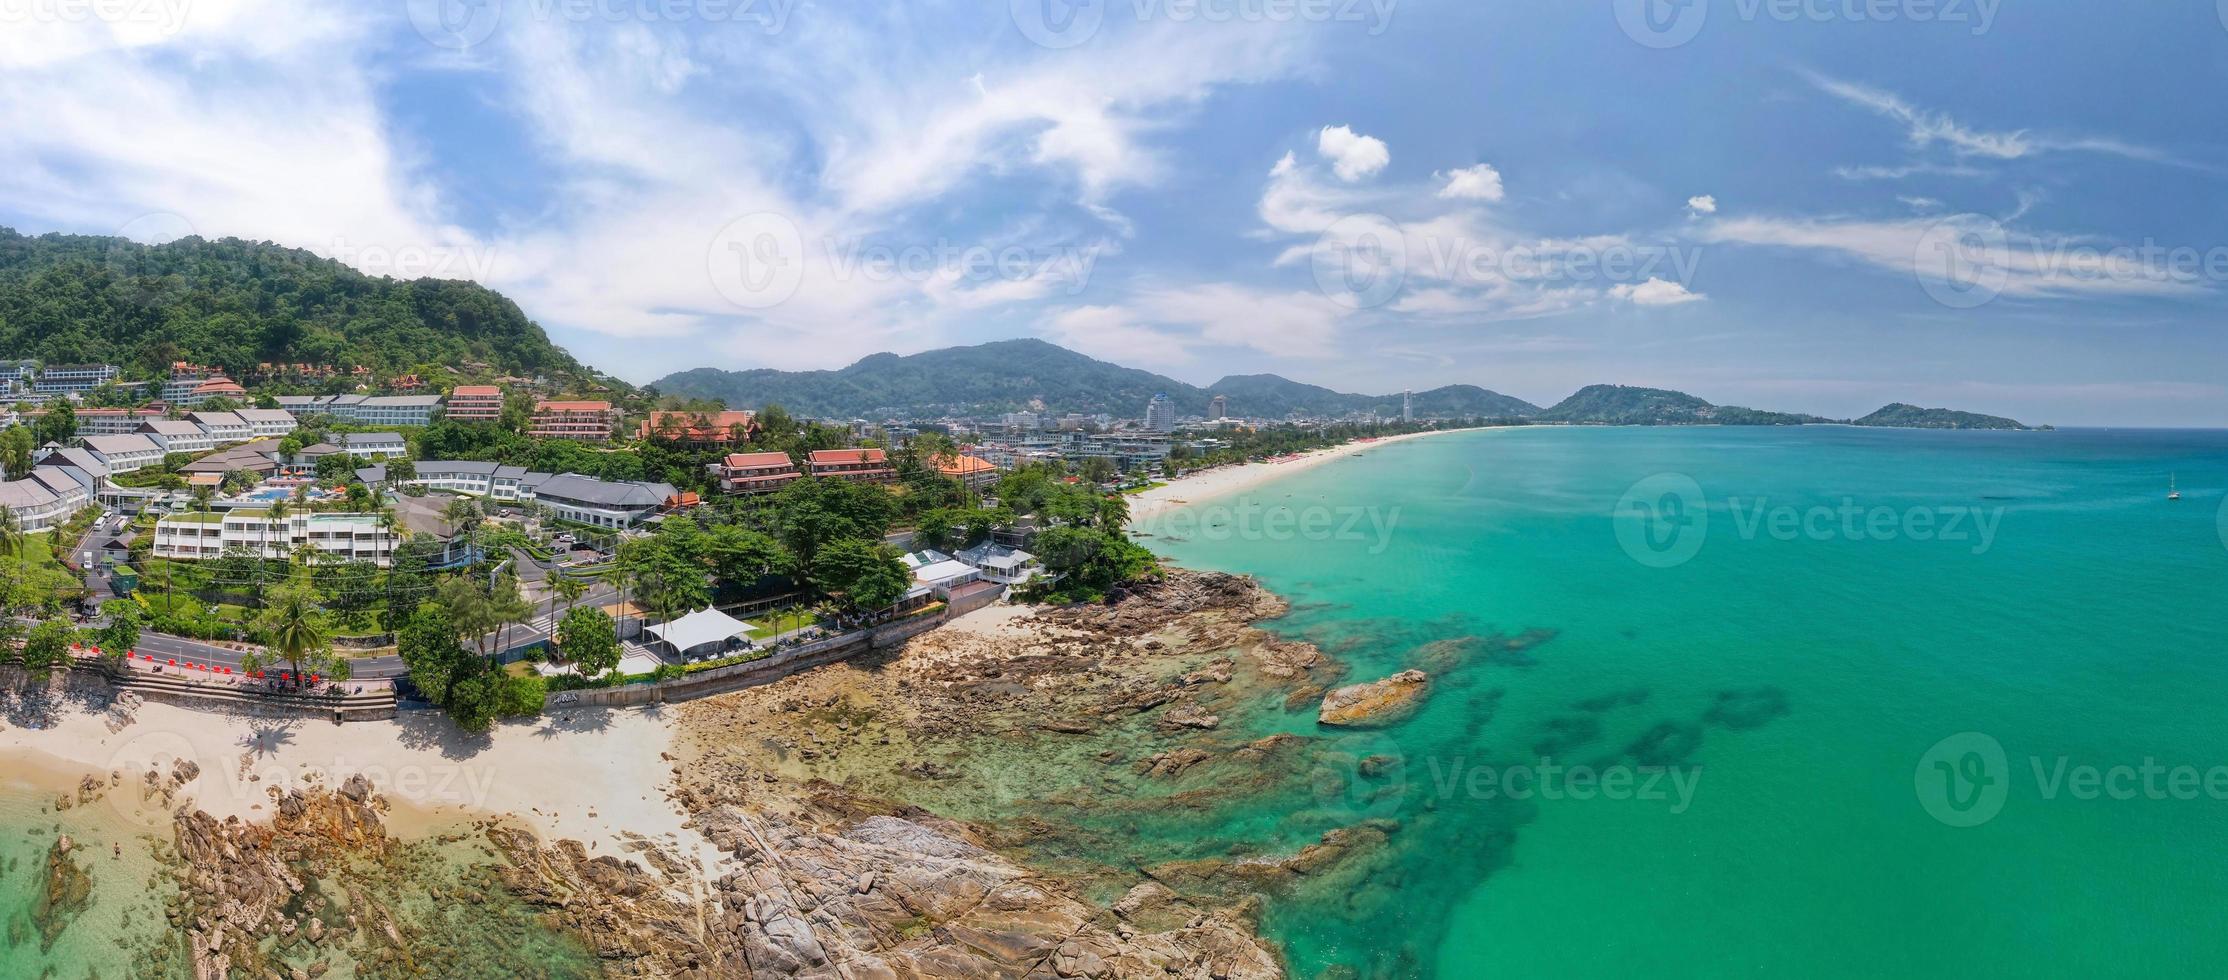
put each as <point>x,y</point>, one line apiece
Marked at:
<point>66,891</point>
<point>1376,703</point>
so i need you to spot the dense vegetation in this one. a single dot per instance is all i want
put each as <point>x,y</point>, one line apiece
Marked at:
<point>234,304</point>
<point>1903,416</point>
<point>1031,375</point>
<point>1621,405</point>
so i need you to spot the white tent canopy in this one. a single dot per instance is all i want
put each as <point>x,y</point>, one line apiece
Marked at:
<point>699,629</point>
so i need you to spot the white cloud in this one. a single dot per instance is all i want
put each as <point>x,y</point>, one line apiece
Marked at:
<point>2012,263</point>
<point>1701,204</point>
<point>1352,155</point>
<point>1925,128</point>
<point>1654,292</point>
<point>1479,183</point>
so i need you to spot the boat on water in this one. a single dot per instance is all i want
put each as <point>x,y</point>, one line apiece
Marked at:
<point>2173,489</point>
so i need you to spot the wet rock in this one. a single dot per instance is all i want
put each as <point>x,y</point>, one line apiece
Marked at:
<point>1377,703</point>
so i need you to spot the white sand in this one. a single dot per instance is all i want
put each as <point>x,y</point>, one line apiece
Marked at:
<point>1225,481</point>
<point>592,775</point>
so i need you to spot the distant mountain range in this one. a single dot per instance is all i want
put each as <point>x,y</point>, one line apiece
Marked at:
<point>1032,375</point>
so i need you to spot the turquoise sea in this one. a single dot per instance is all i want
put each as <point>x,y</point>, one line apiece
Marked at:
<point>1672,602</point>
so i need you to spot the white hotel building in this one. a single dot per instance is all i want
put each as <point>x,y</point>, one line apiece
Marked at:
<point>342,537</point>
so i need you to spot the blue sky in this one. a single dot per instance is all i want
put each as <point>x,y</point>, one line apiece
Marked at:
<point>2013,208</point>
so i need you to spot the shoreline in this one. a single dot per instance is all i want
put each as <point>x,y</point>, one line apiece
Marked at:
<point>593,775</point>
<point>1207,485</point>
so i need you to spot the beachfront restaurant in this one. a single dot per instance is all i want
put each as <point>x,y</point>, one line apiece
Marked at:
<point>706,635</point>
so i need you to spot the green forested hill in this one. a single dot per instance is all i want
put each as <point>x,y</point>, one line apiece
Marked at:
<point>1622,405</point>
<point>1906,416</point>
<point>234,304</point>
<point>1015,375</point>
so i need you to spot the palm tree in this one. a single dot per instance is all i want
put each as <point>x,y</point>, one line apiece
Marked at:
<point>278,512</point>
<point>562,586</point>
<point>292,625</point>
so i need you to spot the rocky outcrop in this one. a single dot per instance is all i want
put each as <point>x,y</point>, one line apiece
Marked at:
<point>1377,703</point>
<point>880,896</point>
<point>65,891</point>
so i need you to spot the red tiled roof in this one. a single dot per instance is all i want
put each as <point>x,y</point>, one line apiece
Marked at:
<point>752,461</point>
<point>964,466</point>
<point>844,457</point>
<point>572,407</point>
<point>475,391</point>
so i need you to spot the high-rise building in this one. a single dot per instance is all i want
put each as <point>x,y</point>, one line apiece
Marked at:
<point>1219,408</point>
<point>1160,414</point>
<point>1407,406</point>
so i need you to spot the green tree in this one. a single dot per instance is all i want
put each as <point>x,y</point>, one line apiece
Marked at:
<point>590,640</point>
<point>292,627</point>
<point>335,467</point>
<point>867,575</point>
<point>59,424</point>
<point>120,635</point>
<point>16,448</point>
<point>46,647</point>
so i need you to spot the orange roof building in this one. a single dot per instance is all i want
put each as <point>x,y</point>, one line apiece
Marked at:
<point>860,465</point>
<point>582,421</point>
<point>754,472</point>
<point>973,472</point>
<point>475,403</point>
<point>699,428</point>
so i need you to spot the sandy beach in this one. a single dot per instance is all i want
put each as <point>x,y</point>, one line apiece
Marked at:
<point>1224,481</point>
<point>592,775</point>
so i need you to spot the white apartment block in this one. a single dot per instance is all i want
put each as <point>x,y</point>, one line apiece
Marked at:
<point>344,537</point>
<point>177,436</point>
<point>123,454</point>
<point>69,379</point>
<point>223,426</point>
<point>267,422</point>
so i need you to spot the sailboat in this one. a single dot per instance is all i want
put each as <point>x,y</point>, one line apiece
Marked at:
<point>2173,492</point>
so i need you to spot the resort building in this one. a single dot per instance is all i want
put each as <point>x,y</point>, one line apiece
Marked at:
<point>264,422</point>
<point>473,478</point>
<point>16,377</point>
<point>175,436</point>
<point>113,421</point>
<point>858,465</point>
<point>223,426</point>
<point>971,472</point>
<point>123,454</point>
<point>754,472</point>
<point>581,421</point>
<point>938,573</point>
<point>73,379</point>
<point>1001,564</point>
<point>342,537</point>
<point>184,378</point>
<point>366,409</point>
<point>475,403</point>
<point>42,500</point>
<point>698,428</point>
<point>601,503</point>
<point>259,459</point>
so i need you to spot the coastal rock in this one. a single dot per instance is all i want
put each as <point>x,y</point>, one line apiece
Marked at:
<point>1377,703</point>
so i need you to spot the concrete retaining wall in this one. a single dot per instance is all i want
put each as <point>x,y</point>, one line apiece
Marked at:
<point>721,680</point>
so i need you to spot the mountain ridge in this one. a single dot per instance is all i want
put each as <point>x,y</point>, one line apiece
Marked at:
<point>1028,374</point>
